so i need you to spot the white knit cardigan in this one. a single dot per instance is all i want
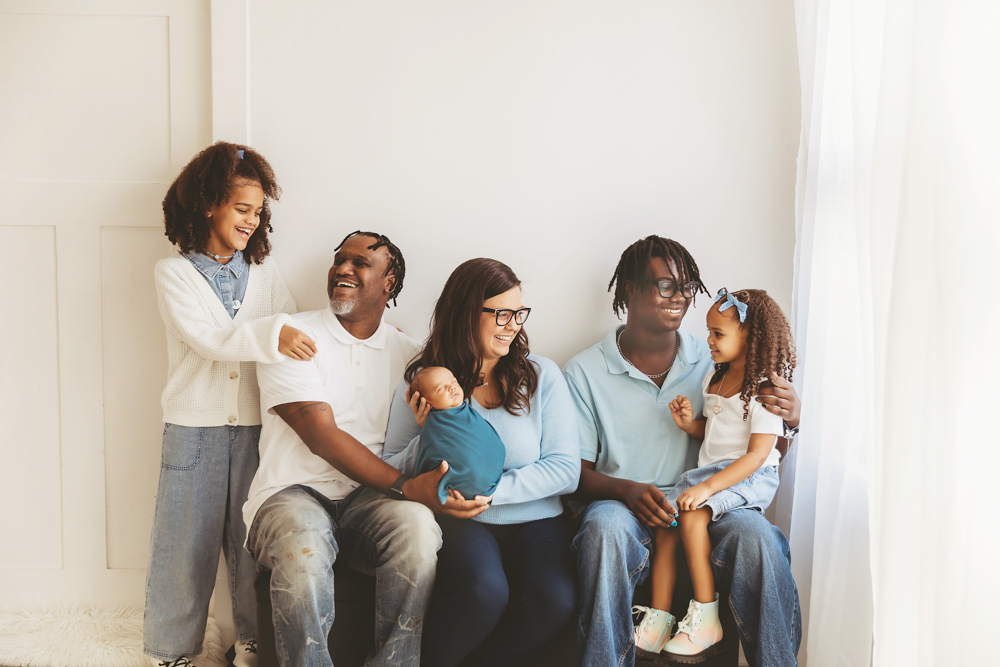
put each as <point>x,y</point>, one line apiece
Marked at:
<point>212,373</point>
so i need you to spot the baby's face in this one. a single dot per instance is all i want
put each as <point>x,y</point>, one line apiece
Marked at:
<point>440,388</point>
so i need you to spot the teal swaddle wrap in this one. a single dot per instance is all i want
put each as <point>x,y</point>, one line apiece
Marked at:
<point>472,448</point>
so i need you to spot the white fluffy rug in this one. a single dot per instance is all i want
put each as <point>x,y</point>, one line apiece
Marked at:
<point>76,636</point>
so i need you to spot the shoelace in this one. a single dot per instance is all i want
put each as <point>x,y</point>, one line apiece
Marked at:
<point>692,619</point>
<point>647,621</point>
<point>251,646</point>
<point>179,662</point>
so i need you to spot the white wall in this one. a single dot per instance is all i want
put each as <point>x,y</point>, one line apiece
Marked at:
<point>102,102</point>
<point>547,134</point>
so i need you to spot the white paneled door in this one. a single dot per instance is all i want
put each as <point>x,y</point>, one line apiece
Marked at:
<point>101,104</point>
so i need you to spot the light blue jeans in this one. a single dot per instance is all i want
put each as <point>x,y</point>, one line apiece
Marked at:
<point>755,492</point>
<point>298,534</point>
<point>751,563</point>
<point>205,474</point>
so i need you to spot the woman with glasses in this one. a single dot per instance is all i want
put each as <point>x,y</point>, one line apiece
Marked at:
<point>505,582</point>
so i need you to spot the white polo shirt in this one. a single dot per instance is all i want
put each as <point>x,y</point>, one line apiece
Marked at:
<point>357,378</point>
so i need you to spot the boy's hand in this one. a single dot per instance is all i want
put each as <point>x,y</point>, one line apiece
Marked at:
<point>780,398</point>
<point>295,344</point>
<point>683,413</point>
<point>693,497</point>
<point>421,408</point>
<point>648,504</point>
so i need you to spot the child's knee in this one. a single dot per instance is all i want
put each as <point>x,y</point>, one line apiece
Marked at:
<point>695,519</point>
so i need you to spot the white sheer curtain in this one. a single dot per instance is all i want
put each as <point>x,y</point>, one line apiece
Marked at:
<point>894,529</point>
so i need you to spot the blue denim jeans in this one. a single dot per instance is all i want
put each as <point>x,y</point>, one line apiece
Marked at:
<point>205,474</point>
<point>298,534</point>
<point>755,492</point>
<point>751,563</point>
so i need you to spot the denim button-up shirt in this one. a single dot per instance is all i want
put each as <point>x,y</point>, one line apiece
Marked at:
<point>229,281</point>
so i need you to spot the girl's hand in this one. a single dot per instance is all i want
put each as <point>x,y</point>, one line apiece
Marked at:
<point>683,413</point>
<point>295,344</point>
<point>779,397</point>
<point>693,497</point>
<point>421,408</point>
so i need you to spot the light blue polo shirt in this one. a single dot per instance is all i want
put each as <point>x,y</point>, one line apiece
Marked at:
<point>624,418</point>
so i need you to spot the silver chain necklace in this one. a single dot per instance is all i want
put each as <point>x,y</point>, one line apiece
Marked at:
<point>217,257</point>
<point>618,342</point>
<point>722,394</point>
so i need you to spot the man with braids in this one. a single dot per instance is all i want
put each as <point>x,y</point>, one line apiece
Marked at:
<point>322,490</point>
<point>633,453</point>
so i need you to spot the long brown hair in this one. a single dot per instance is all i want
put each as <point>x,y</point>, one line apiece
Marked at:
<point>207,181</point>
<point>455,340</point>
<point>770,348</point>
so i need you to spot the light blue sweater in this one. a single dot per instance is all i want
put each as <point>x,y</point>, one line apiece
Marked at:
<point>543,451</point>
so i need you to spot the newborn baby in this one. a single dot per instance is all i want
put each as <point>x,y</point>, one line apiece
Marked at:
<point>456,433</point>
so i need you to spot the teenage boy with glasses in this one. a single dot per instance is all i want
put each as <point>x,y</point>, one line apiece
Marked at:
<point>632,454</point>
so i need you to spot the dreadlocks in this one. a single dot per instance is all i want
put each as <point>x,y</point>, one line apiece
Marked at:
<point>770,347</point>
<point>634,267</point>
<point>397,266</point>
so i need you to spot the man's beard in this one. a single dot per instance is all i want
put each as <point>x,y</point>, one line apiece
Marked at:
<point>343,306</point>
<point>361,303</point>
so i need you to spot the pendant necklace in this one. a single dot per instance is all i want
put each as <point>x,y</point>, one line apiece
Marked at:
<point>718,397</point>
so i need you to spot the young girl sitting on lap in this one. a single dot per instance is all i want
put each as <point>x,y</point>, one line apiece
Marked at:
<point>737,466</point>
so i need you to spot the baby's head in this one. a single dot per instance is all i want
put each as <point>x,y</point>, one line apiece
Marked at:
<point>439,387</point>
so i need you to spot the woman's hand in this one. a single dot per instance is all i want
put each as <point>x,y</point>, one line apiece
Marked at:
<point>423,489</point>
<point>683,413</point>
<point>421,408</point>
<point>648,504</point>
<point>295,344</point>
<point>781,399</point>
<point>457,495</point>
<point>691,498</point>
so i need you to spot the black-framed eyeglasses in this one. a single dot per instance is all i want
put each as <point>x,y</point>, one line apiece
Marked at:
<point>505,314</point>
<point>667,288</point>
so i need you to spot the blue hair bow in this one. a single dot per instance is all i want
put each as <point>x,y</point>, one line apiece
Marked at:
<point>240,153</point>
<point>730,302</point>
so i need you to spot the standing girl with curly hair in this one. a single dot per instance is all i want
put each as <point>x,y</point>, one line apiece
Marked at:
<point>750,341</point>
<point>225,307</point>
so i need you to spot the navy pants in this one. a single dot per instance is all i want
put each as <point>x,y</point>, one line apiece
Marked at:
<point>502,592</point>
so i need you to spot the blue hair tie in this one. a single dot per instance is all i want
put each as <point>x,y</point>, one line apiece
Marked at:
<point>730,302</point>
<point>240,153</point>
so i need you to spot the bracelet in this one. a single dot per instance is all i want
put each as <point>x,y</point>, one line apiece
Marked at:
<point>396,490</point>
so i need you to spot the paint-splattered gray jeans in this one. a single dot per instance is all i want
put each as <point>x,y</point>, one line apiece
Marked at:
<point>298,534</point>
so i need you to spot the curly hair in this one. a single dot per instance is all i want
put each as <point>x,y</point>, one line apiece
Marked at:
<point>455,341</point>
<point>633,266</point>
<point>207,181</point>
<point>770,348</point>
<point>397,265</point>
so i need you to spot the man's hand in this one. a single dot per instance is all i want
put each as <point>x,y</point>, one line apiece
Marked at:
<point>683,413</point>
<point>421,408</point>
<point>423,489</point>
<point>779,398</point>
<point>295,344</point>
<point>691,498</point>
<point>649,504</point>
